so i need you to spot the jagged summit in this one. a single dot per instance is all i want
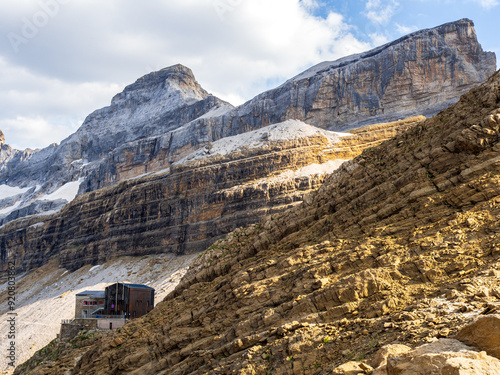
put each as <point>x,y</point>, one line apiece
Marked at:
<point>152,106</point>
<point>142,108</point>
<point>177,71</point>
<point>174,79</point>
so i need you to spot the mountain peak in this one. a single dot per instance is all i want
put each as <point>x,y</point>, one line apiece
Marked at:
<point>178,68</point>
<point>175,73</point>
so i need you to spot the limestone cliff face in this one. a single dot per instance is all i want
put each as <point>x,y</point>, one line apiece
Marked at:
<point>418,74</point>
<point>166,115</point>
<point>231,183</point>
<point>188,207</point>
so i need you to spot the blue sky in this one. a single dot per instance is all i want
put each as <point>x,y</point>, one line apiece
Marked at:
<point>62,59</point>
<point>391,19</point>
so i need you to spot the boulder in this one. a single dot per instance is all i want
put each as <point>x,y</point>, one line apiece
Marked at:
<point>353,368</point>
<point>386,351</point>
<point>484,334</point>
<point>443,357</point>
<point>484,365</point>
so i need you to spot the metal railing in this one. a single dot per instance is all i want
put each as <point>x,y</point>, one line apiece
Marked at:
<point>96,310</point>
<point>102,316</point>
<point>70,321</point>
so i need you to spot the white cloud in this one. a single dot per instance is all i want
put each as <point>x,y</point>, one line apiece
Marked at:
<point>36,111</point>
<point>310,4</point>
<point>37,132</point>
<point>487,4</point>
<point>378,39</point>
<point>403,30</point>
<point>379,11</point>
<point>88,50</point>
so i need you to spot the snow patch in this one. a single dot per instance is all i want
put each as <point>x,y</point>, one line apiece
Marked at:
<point>309,170</point>
<point>217,112</point>
<point>80,163</point>
<point>163,171</point>
<point>67,192</point>
<point>314,169</point>
<point>94,268</point>
<point>8,210</point>
<point>37,225</point>
<point>48,213</point>
<point>288,130</point>
<point>7,191</point>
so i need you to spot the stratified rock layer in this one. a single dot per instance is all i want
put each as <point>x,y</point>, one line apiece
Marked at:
<point>399,245</point>
<point>188,207</point>
<point>182,210</point>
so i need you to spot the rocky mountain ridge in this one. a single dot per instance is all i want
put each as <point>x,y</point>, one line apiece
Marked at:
<point>185,208</point>
<point>166,115</point>
<point>418,74</point>
<point>398,246</point>
<point>153,105</point>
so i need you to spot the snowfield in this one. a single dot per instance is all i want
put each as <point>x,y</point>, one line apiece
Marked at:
<point>217,111</point>
<point>288,130</point>
<point>309,170</point>
<point>7,191</point>
<point>67,192</point>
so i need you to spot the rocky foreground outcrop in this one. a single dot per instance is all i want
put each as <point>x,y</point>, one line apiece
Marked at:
<point>166,115</point>
<point>398,246</point>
